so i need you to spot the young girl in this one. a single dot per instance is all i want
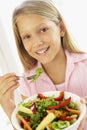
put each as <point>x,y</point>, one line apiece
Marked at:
<point>43,40</point>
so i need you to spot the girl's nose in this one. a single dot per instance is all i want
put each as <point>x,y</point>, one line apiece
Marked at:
<point>37,41</point>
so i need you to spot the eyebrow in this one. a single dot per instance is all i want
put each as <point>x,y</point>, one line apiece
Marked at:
<point>41,24</point>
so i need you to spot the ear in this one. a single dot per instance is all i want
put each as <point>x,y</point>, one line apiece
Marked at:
<point>62,28</point>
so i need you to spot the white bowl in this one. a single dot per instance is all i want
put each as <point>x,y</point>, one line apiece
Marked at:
<point>74,97</point>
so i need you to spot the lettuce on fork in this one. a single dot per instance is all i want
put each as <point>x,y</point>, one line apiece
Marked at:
<point>39,71</point>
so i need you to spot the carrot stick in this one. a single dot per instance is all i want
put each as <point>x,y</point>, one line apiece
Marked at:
<point>24,121</point>
<point>73,110</point>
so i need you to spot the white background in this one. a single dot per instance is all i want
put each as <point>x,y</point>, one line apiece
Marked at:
<point>74,13</point>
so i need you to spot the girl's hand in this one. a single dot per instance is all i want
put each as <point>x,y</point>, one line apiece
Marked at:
<point>8,83</point>
<point>82,124</point>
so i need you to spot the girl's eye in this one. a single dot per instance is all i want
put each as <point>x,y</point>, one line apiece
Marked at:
<point>26,37</point>
<point>44,29</point>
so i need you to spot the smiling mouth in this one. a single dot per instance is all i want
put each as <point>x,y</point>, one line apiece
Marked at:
<point>43,51</point>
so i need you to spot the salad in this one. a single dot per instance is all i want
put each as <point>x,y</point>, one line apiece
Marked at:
<point>39,71</point>
<point>48,112</point>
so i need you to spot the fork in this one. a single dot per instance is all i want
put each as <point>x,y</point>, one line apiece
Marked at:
<point>28,77</point>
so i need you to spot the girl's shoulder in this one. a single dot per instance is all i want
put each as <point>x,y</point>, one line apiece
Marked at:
<point>80,57</point>
<point>77,57</point>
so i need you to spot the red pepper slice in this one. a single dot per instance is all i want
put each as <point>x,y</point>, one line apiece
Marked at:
<point>41,96</point>
<point>62,104</point>
<point>66,118</point>
<point>33,108</point>
<point>60,97</point>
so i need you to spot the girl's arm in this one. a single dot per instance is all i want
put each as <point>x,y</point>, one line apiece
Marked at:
<point>82,124</point>
<point>8,83</point>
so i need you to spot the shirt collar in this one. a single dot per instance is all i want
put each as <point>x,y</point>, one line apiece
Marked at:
<point>72,58</point>
<point>76,57</point>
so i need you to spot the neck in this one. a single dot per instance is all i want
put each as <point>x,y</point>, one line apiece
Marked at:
<point>57,67</point>
<point>58,60</point>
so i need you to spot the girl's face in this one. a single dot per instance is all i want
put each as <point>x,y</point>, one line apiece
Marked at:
<point>40,37</point>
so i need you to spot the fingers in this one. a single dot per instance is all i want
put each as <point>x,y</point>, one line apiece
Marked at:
<point>84,100</point>
<point>82,124</point>
<point>7,99</point>
<point>8,81</point>
<point>8,77</point>
<point>7,85</point>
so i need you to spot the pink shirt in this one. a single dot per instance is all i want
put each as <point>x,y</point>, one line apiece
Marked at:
<point>75,79</point>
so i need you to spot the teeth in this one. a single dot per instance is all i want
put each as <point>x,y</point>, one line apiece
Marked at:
<point>42,51</point>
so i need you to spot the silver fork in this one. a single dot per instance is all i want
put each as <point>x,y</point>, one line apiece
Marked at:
<point>28,77</point>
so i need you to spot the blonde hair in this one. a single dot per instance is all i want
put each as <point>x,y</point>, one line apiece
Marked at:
<point>44,8</point>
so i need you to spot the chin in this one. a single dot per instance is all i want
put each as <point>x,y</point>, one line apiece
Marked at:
<point>45,62</point>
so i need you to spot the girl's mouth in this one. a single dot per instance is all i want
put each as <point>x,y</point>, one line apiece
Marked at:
<point>42,51</point>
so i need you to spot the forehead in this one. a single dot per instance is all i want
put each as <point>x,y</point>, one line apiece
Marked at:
<point>25,22</point>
